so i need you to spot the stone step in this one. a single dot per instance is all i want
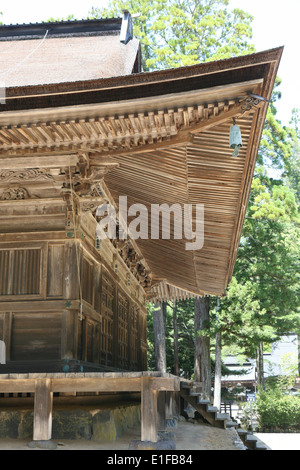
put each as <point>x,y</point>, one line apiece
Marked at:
<point>203,402</point>
<point>224,416</point>
<point>250,441</point>
<point>209,412</point>
<point>212,409</point>
<point>260,446</point>
<point>231,424</point>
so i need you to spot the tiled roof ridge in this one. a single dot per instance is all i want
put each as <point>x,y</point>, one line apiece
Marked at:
<point>99,26</point>
<point>83,20</point>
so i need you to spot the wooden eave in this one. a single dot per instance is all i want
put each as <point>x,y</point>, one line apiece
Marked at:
<point>166,135</point>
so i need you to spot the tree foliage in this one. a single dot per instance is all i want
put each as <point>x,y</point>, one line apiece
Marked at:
<point>176,33</point>
<point>262,301</point>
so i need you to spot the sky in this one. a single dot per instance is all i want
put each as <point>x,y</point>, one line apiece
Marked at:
<point>276,23</point>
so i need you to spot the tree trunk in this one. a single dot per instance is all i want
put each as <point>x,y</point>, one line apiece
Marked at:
<point>260,365</point>
<point>298,355</point>
<point>202,365</point>
<point>218,373</point>
<point>175,327</point>
<point>159,338</point>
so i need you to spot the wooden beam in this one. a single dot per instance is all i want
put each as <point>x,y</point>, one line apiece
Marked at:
<point>17,385</point>
<point>185,135</point>
<point>96,384</point>
<point>14,163</point>
<point>88,384</point>
<point>43,404</point>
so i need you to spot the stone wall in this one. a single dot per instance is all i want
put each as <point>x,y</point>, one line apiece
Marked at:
<point>86,423</point>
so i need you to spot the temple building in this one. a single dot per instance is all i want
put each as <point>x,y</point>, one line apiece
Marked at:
<point>82,126</point>
<point>160,162</point>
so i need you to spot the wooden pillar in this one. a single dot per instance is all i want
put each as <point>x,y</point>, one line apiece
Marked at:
<point>67,336</point>
<point>149,425</point>
<point>7,334</point>
<point>71,285</point>
<point>2,352</point>
<point>161,410</point>
<point>43,403</point>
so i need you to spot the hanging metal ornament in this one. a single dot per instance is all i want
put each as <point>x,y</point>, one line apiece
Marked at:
<point>235,139</point>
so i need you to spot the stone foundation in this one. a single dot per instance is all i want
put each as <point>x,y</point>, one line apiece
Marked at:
<point>86,423</point>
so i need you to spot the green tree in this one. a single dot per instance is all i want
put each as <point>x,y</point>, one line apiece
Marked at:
<point>70,17</point>
<point>185,326</point>
<point>262,301</point>
<point>291,175</point>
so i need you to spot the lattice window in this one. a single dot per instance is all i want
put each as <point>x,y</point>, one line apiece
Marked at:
<point>122,331</point>
<point>107,294</point>
<point>133,339</point>
<point>20,271</point>
<point>107,299</point>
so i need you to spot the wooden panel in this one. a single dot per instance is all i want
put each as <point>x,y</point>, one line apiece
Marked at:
<point>55,278</point>
<point>36,336</point>
<point>71,287</point>
<point>20,271</point>
<point>87,273</point>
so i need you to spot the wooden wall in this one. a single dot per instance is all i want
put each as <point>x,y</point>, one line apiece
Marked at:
<point>40,317</point>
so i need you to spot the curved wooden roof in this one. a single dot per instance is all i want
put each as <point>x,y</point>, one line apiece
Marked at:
<point>165,136</point>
